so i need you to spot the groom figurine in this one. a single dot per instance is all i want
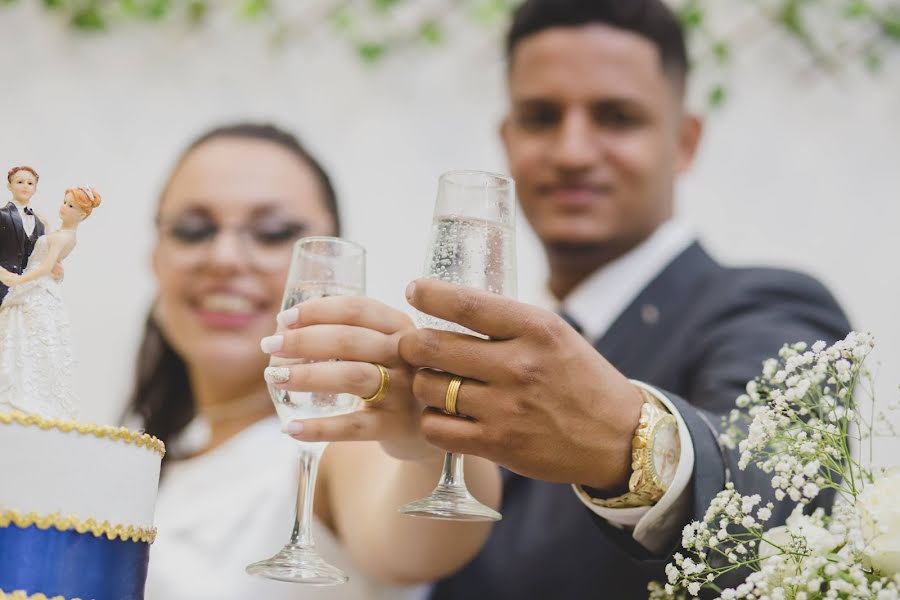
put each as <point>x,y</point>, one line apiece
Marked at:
<point>20,228</point>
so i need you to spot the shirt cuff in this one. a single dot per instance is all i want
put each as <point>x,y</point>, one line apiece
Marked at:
<point>654,527</point>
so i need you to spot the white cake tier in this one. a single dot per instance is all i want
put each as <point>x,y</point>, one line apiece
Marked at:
<point>77,476</point>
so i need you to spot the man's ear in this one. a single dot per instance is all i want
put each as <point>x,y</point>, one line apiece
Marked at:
<point>689,140</point>
<point>503,130</point>
<point>154,260</point>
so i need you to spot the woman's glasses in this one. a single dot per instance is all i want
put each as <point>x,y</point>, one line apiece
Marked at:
<point>264,243</point>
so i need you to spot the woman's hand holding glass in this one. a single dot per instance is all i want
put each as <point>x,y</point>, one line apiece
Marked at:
<point>363,334</point>
<point>360,333</point>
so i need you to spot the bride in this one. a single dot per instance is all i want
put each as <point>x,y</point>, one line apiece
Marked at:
<point>35,349</point>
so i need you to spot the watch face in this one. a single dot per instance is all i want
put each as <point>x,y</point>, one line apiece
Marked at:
<point>666,451</point>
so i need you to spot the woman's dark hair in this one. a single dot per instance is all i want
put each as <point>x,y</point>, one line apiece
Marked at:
<point>161,398</point>
<point>650,19</point>
<point>270,133</point>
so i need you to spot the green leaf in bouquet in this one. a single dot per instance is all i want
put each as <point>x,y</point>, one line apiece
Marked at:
<point>54,4</point>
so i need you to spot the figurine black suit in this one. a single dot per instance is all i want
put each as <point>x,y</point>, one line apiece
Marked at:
<point>15,245</point>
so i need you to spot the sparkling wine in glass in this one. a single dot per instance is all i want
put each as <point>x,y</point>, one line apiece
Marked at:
<point>473,244</point>
<point>320,267</point>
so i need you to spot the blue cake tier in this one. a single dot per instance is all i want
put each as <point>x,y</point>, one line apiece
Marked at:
<point>71,565</point>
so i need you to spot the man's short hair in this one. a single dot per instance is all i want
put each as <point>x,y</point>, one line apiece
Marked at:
<point>651,19</point>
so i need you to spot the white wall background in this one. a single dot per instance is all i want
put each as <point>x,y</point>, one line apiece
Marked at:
<point>798,170</point>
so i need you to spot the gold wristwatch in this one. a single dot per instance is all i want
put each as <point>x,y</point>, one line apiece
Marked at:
<point>655,450</point>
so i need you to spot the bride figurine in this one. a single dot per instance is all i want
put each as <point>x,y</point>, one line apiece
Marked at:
<point>36,361</point>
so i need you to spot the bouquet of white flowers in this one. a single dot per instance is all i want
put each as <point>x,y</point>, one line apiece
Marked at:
<point>806,429</point>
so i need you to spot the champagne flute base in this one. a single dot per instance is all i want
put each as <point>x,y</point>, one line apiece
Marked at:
<point>298,564</point>
<point>451,503</point>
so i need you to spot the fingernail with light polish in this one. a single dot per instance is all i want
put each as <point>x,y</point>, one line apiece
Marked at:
<point>410,290</point>
<point>288,317</point>
<point>294,428</point>
<point>277,374</point>
<point>271,344</point>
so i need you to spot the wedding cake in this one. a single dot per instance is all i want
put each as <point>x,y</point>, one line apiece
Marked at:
<point>76,509</point>
<point>76,500</point>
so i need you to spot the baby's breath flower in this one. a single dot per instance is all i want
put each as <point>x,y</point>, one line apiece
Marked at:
<point>790,423</point>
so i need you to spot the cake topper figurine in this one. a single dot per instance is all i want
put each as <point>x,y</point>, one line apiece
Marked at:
<point>19,226</point>
<point>35,341</point>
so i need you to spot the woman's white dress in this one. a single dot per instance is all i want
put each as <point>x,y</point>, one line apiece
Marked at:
<point>220,511</point>
<point>36,363</point>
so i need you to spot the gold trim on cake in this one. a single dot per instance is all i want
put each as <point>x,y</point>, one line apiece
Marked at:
<point>122,434</point>
<point>20,595</point>
<point>61,523</point>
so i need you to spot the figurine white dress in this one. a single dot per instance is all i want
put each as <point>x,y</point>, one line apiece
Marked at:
<point>35,345</point>
<point>36,362</point>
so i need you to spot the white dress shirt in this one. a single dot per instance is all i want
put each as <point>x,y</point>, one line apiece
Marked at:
<point>595,305</point>
<point>27,220</point>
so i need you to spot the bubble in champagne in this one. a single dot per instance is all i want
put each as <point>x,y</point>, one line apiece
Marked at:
<point>475,253</point>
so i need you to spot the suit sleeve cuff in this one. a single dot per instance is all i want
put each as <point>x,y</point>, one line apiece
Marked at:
<point>654,527</point>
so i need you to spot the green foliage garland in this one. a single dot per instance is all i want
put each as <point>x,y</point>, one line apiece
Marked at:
<point>833,33</point>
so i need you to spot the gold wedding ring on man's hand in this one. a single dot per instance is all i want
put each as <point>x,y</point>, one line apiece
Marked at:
<point>452,395</point>
<point>383,386</point>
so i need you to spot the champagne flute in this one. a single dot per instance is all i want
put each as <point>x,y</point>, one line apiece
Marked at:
<point>473,244</point>
<point>320,267</point>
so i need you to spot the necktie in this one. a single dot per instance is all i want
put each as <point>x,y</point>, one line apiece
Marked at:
<point>28,211</point>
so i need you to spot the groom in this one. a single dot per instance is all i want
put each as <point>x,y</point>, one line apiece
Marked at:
<point>596,135</point>
<point>20,228</point>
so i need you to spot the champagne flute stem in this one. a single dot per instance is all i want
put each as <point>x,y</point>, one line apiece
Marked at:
<point>452,473</point>
<point>306,490</point>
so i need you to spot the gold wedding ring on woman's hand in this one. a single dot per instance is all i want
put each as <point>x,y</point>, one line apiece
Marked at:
<point>452,395</point>
<point>383,386</point>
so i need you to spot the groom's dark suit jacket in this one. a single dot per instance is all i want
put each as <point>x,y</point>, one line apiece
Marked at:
<point>715,327</point>
<point>15,245</point>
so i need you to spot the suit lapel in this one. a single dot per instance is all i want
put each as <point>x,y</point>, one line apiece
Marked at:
<point>17,224</point>
<point>656,311</point>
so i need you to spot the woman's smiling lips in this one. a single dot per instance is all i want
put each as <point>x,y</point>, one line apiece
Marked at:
<point>227,309</point>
